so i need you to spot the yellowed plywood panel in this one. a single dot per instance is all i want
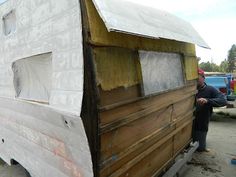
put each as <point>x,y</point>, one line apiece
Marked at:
<point>191,65</point>
<point>116,67</point>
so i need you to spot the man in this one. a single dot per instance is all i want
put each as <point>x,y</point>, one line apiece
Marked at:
<point>206,98</point>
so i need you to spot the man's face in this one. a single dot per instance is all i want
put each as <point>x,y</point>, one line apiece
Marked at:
<point>201,80</point>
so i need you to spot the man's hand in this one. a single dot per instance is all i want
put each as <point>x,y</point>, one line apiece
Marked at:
<point>201,101</point>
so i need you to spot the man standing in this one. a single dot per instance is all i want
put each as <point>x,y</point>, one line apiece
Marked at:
<point>206,98</point>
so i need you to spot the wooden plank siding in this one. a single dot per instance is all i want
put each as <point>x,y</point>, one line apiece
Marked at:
<point>128,129</point>
<point>109,113</point>
<point>137,135</point>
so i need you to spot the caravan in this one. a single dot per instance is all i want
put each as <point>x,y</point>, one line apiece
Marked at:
<point>95,87</point>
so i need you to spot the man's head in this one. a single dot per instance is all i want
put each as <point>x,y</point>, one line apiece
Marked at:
<point>201,77</point>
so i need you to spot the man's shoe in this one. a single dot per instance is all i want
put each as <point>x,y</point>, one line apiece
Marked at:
<point>203,150</point>
<point>207,150</point>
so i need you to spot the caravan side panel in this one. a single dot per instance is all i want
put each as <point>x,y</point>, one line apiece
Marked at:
<point>44,133</point>
<point>45,27</point>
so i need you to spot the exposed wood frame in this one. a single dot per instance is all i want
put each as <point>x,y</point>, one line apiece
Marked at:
<point>89,113</point>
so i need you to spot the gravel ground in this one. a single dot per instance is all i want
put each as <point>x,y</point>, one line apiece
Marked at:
<point>221,141</point>
<point>11,171</point>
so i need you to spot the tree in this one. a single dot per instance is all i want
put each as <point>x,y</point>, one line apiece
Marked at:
<point>224,65</point>
<point>206,66</point>
<point>232,58</point>
<point>209,67</point>
<point>215,67</point>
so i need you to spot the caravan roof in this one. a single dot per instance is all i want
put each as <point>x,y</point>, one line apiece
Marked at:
<point>128,17</point>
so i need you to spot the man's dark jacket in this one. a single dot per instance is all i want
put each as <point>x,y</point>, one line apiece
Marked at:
<point>203,112</point>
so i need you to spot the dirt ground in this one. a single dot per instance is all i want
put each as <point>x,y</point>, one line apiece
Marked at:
<point>11,171</point>
<point>221,140</point>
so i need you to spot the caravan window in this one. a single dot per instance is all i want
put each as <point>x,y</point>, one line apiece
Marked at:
<point>9,23</point>
<point>160,71</point>
<point>33,77</point>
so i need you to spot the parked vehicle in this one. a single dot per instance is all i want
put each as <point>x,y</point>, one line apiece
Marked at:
<point>95,87</point>
<point>223,83</point>
<point>219,82</point>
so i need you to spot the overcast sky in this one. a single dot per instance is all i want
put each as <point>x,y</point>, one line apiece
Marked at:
<point>215,21</point>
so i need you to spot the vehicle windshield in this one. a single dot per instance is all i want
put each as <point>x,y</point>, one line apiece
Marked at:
<point>216,81</point>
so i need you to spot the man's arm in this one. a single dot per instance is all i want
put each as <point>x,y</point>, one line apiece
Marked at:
<point>218,99</point>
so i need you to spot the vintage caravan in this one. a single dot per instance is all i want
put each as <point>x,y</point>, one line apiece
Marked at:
<point>94,87</point>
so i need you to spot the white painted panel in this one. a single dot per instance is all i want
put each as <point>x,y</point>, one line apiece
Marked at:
<point>39,137</point>
<point>44,26</point>
<point>128,17</point>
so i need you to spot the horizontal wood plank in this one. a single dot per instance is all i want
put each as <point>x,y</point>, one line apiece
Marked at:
<point>148,154</point>
<point>132,129</point>
<point>182,137</point>
<point>183,106</point>
<point>119,95</point>
<point>115,118</point>
<point>115,162</point>
<point>118,140</point>
<point>131,152</point>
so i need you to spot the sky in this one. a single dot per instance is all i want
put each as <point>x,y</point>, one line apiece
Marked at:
<point>214,20</point>
<point>2,1</point>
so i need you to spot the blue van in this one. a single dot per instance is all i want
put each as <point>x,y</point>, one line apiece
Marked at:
<point>221,83</point>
